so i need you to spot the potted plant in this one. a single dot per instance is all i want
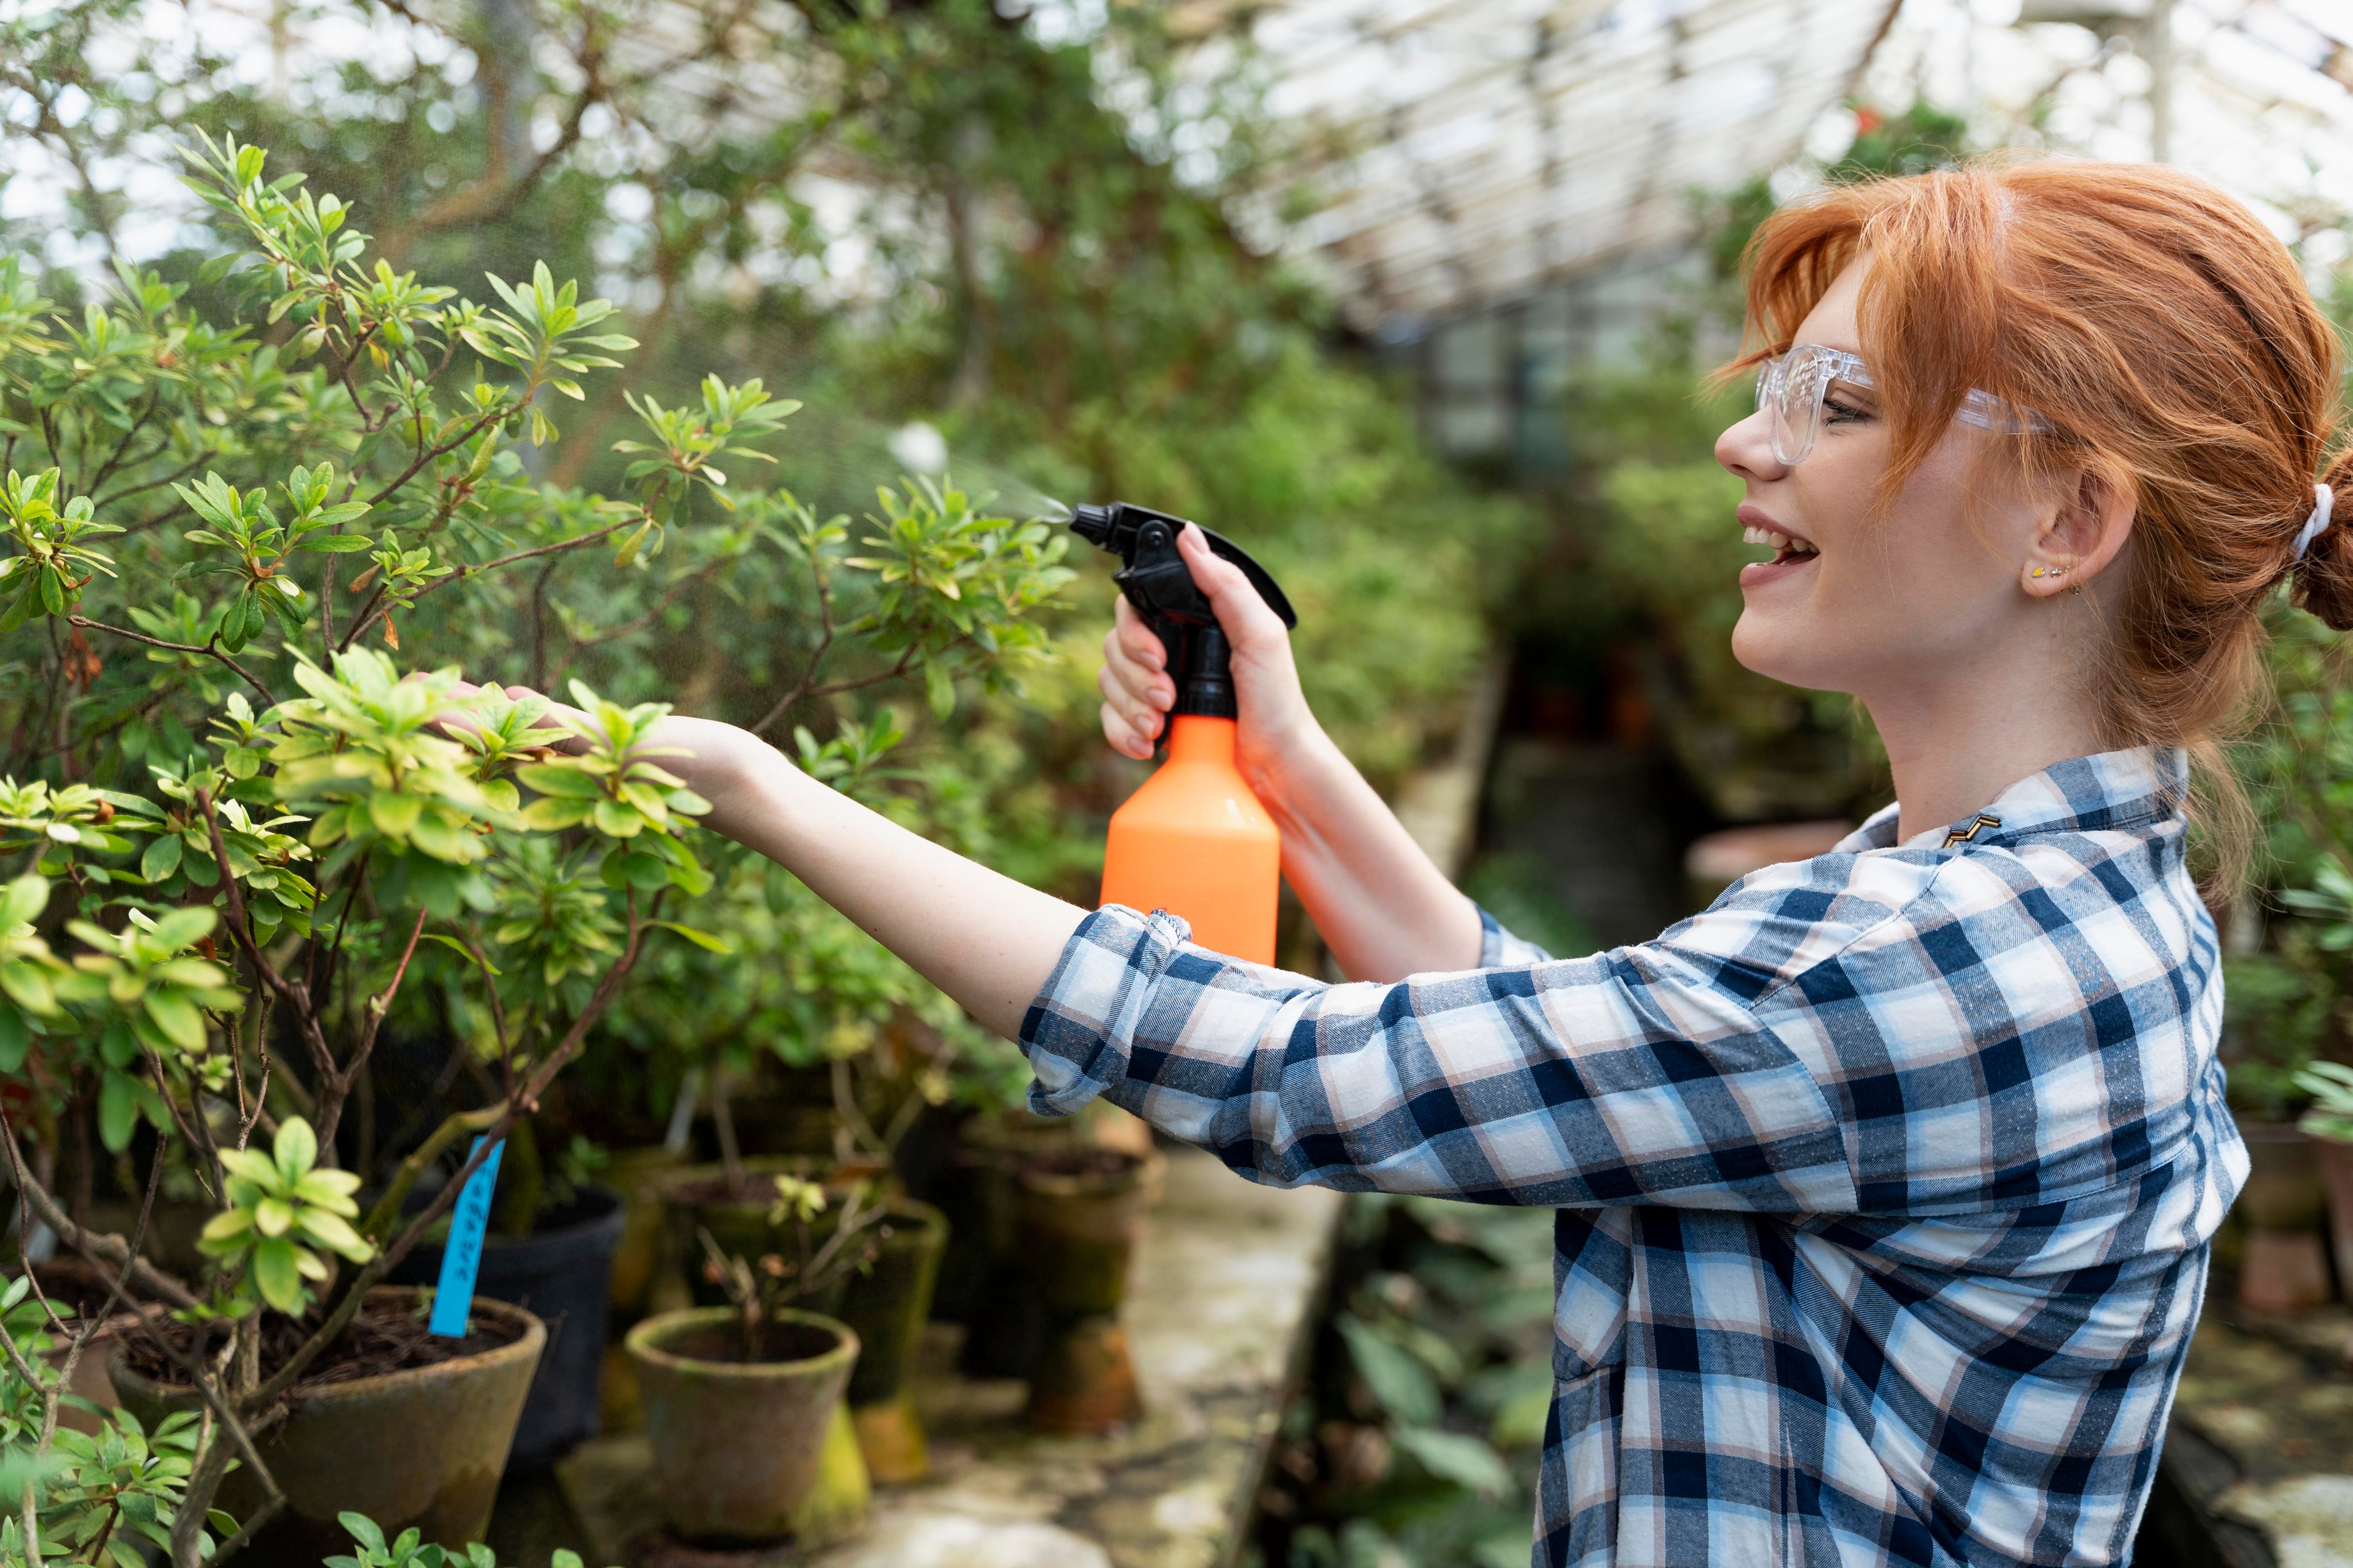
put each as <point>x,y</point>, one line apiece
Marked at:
<point>2329,1125</point>
<point>550,1249</point>
<point>1078,1210</point>
<point>247,838</point>
<point>743,1403</point>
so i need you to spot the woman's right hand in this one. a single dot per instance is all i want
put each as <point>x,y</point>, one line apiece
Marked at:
<point>1138,688</point>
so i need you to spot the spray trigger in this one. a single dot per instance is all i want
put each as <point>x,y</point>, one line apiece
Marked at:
<point>1155,580</point>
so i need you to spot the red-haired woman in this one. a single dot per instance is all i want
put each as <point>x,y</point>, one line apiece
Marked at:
<point>1884,1185</point>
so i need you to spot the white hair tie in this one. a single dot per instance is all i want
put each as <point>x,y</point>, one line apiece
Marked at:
<point>2324,502</point>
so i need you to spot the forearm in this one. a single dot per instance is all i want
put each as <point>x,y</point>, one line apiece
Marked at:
<point>987,940</point>
<point>1384,909</point>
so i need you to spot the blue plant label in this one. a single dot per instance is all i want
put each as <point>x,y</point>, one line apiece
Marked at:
<point>462,1258</point>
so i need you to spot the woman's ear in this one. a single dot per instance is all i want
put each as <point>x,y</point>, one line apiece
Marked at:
<point>2080,535</point>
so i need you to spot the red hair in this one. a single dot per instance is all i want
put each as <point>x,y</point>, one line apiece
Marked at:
<point>2170,341</point>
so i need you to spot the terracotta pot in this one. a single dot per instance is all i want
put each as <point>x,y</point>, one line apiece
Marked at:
<point>424,1447</point>
<point>985,1278</point>
<point>751,1451</point>
<point>1078,1220</point>
<point>2285,1268</point>
<point>2337,1178</point>
<point>561,1272</point>
<point>887,1306</point>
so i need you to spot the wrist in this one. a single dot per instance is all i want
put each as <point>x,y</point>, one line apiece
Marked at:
<point>1280,768</point>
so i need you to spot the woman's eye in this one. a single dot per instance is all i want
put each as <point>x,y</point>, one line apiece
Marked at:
<point>1838,411</point>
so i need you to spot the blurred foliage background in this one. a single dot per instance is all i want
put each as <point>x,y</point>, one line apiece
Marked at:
<point>938,217</point>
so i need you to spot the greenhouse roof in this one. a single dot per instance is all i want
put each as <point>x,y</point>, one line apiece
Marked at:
<point>1498,143</point>
<point>1469,151</point>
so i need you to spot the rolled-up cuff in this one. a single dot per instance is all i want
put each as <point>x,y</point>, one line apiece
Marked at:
<point>1499,949</point>
<point>1081,1029</point>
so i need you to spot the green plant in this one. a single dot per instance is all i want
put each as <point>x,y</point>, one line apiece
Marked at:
<point>411,1550</point>
<point>2330,1084</point>
<point>759,1289</point>
<point>281,1206</point>
<point>264,836</point>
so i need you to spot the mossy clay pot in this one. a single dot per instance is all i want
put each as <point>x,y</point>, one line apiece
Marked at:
<point>424,1447</point>
<point>747,1451</point>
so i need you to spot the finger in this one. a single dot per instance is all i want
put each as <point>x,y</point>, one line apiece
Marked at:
<point>1126,681</point>
<point>1124,737</point>
<point>1247,621</point>
<point>1135,640</point>
<point>1142,708</point>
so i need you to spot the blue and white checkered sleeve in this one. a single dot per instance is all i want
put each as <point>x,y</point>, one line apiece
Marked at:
<point>1626,1078</point>
<point>1499,947</point>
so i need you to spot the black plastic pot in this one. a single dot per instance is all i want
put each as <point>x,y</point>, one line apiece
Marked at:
<point>563,1273</point>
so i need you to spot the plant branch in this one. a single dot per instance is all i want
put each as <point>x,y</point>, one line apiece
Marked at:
<point>295,995</point>
<point>105,1251</point>
<point>377,1007</point>
<point>210,650</point>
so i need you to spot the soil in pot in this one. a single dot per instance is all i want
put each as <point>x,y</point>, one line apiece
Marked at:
<point>752,1450</point>
<point>1079,1212</point>
<point>2283,1268</point>
<point>562,1274</point>
<point>397,1423</point>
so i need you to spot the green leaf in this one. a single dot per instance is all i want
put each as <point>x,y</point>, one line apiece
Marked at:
<point>178,1018</point>
<point>395,816</point>
<point>549,778</point>
<point>277,1273</point>
<point>25,899</point>
<point>1453,1456</point>
<point>701,938</point>
<point>458,947</point>
<point>617,820</point>
<point>1403,1385</point>
<point>162,858</point>
<point>547,815</point>
<point>117,1111</point>
<point>296,1148</point>
<point>939,687</point>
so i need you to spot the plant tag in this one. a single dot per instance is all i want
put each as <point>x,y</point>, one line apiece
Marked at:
<point>462,1258</point>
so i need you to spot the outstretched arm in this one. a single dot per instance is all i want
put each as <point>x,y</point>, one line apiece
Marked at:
<point>1383,908</point>
<point>986,939</point>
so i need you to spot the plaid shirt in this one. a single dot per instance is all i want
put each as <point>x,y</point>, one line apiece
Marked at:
<point>1884,1185</point>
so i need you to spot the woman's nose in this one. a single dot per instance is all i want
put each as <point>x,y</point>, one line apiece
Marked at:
<point>1747,449</point>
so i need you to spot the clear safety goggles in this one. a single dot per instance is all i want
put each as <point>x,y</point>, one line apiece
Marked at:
<point>1790,388</point>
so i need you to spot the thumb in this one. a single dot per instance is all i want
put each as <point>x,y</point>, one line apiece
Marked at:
<point>1250,625</point>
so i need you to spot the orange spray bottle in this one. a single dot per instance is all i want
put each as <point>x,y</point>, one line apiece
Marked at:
<point>1193,840</point>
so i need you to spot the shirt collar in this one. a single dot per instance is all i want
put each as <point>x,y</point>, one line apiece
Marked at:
<point>2082,794</point>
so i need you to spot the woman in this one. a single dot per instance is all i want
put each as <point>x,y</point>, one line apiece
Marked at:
<point>1884,1185</point>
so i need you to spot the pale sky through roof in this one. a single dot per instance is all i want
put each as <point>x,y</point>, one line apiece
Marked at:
<point>1498,143</point>
<point>1478,148</point>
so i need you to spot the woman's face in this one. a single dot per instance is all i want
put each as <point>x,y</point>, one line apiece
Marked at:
<point>1858,599</point>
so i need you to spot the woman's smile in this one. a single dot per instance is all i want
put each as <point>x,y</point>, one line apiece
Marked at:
<point>1792,552</point>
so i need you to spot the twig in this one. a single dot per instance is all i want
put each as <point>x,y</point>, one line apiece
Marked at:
<point>210,650</point>
<point>104,1251</point>
<point>296,994</point>
<point>375,605</point>
<point>377,1007</point>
